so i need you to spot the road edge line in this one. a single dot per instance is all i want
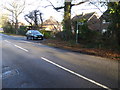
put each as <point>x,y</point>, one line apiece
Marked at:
<point>81,76</point>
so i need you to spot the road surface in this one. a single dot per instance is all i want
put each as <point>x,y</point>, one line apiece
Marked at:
<point>29,64</point>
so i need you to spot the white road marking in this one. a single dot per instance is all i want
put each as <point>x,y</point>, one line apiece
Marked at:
<point>17,46</point>
<point>7,41</point>
<point>81,76</point>
<point>21,48</point>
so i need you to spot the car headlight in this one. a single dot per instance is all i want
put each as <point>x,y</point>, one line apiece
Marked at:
<point>35,36</point>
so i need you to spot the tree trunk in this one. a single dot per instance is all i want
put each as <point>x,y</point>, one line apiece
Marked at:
<point>67,20</point>
<point>41,19</point>
<point>118,33</point>
<point>16,25</point>
<point>35,20</point>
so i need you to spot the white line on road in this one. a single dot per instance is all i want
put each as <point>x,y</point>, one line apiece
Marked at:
<point>7,41</point>
<point>81,76</point>
<point>17,46</point>
<point>21,48</point>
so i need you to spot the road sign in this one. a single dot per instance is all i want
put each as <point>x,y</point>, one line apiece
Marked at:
<point>80,23</point>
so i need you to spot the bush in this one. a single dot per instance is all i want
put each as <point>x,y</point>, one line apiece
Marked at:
<point>64,35</point>
<point>110,42</point>
<point>61,35</point>
<point>88,35</point>
<point>22,30</point>
<point>47,34</point>
<point>8,28</point>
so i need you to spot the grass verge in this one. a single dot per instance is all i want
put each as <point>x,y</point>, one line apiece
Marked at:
<point>82,49</point>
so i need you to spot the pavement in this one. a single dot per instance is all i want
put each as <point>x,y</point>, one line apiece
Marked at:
<point>30,64</point>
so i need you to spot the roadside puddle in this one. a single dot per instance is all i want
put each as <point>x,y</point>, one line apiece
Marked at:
<point>8,72</point>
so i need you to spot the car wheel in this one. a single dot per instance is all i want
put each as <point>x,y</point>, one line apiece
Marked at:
<point>32,38</point>
<point>27,38</point>
<point>41,38</point>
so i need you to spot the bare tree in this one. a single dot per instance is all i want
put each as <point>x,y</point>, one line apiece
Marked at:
<point>16,8</point>
<point>4,19</point>
<point>34,18</point>
<point>28,18</point>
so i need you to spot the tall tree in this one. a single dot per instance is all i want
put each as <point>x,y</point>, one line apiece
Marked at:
<point>114,16</point>
<point>4,19</point>
<point>67,16</point>
<point>16,8</point>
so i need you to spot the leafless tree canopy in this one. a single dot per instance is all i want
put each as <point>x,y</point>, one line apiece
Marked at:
<point>16,8</point>
<point>34,17</point>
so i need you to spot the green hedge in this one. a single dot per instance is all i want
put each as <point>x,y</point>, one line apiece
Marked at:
<point>47,34</point>
<point>22,30</point>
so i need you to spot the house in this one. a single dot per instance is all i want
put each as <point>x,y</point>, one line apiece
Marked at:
<point>20,24</point>
<point>1,29</point>
<point>104,20</point>
<point>92,19</point>
<point>52,25</point>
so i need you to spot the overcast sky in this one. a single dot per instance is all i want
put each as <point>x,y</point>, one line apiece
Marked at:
<point>49,11</point>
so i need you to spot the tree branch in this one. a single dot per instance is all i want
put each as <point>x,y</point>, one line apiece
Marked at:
<point>56,8</point>
<point>10,10</point>
<point>62,7</point>
<point>79,3</point>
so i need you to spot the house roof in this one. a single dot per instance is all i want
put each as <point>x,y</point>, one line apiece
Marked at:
<point>105,15</point>
<point>81,16</point>
<point>51,21</point>
<point>52,25</point>
<point>88,15</point>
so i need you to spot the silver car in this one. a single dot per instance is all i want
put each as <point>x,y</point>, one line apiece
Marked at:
<point>34,34</point>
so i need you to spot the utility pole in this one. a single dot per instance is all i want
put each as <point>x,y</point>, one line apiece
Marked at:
<point>77,31</point>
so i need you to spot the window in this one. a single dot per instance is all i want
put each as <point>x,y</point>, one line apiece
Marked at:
<point>104,21</point>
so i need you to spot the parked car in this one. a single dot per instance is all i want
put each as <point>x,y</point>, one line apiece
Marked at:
<point>34,34</point>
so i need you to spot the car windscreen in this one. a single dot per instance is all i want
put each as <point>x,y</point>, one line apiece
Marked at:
<point>36,32</point>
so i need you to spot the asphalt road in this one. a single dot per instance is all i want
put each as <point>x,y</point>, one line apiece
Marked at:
<point>29,64</point>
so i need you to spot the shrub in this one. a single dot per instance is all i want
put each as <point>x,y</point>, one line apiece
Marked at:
<point>61,35</point>
<point>8,28</point>
<point>88,35</point>
<point>22,30</point>
<point>47,34</point>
